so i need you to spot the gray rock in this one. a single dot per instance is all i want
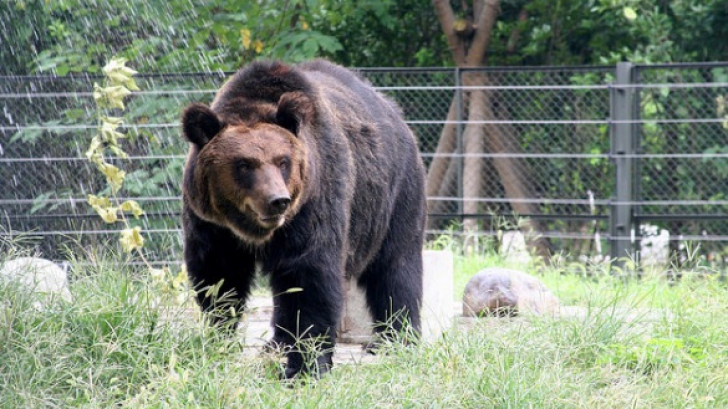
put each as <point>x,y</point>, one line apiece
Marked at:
<point>501,291</point>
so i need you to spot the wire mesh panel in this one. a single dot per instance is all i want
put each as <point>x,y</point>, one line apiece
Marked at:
<point>530,143</point>
<point>683,158</point>
<point>46,128</point>
<point>500,145</point>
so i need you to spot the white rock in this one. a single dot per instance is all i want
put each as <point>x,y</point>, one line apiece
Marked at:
<point>38,275</point>
<point>654,246</point>
<point>506,291</point>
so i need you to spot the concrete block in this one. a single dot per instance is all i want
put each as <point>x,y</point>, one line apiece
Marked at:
<point>437,300</point>
<point>356,323</point>
<point>513,247</point>
<point>437,309</point>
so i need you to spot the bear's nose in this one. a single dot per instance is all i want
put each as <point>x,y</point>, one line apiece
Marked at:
<point>279,204</point>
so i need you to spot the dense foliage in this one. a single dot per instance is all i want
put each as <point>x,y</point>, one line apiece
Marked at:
<point>66,36</point>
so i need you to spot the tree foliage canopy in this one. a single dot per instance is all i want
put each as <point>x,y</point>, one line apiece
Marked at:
<point>69,36</point>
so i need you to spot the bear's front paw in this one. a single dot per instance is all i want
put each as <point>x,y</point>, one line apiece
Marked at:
<point>314,368</point>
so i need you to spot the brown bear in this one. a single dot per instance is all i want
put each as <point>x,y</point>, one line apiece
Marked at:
<point>308,174</point>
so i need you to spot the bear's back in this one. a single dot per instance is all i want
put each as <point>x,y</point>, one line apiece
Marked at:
<point>346,89</point>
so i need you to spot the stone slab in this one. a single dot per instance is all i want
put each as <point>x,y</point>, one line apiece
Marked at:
<point>356,324</point>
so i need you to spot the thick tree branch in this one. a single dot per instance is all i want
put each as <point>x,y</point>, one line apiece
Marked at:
<point>516,33</point>
<point>484,27</point>
<point>477,137</point>
<point>447,19</point>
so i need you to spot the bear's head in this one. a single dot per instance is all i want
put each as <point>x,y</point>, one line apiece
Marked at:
<point>247,175</point>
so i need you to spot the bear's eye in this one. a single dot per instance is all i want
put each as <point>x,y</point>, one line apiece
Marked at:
<point>245,166</point>
<point>284,163</point>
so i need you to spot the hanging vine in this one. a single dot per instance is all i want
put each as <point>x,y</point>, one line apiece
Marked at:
<point>104,148</point>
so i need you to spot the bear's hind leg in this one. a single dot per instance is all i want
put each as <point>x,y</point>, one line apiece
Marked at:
<point>393,280</point>
<point>393,288</point>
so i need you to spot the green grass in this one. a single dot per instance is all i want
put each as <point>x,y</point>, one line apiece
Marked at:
<point>113,347</point>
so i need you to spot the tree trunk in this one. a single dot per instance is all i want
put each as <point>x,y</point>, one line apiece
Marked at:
<point>517,180</point>
<point>436,175</point>
<point>514,177</point>
<point>473,146</point>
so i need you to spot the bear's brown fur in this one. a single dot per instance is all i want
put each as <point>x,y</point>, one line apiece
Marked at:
<point>309,173</point>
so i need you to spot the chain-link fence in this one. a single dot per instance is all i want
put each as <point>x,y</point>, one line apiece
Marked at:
<point>585,161</point>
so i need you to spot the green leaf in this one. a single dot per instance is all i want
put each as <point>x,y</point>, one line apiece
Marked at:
<point>293,290</point>
<point>62,70</point>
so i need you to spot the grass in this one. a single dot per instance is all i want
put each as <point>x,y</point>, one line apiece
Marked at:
<point>116,345</point>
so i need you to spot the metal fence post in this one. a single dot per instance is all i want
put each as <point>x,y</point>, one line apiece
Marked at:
<point>623,135</point>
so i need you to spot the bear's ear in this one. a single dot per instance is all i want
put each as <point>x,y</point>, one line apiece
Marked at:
<point>200,124</point>
<point>294,109</point>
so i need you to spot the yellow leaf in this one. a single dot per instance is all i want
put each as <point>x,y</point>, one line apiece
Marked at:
<point>109,134</point>
<point>131,239</point>
<point>629,13</point>
<point>94,150</point>
<point>95,157</point>
<point>118,152</point>
<point>115,96</point>
<point>119,74</point>
<point>245,38</point>
<point>98,92</point>
<point>104,209</point>
<point>102,206</point>
<point>293,290</point>
<point>304,25</point>
<point>131,85</point>
<point>94,200</point>
<point>118,65</point>
<point>114,175</point>
<point>179,280</point>
<point>111,122</point>
<point>133,207</point>
<point>109,215</point>
<point>110,97</point>
<point>258,46</point>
